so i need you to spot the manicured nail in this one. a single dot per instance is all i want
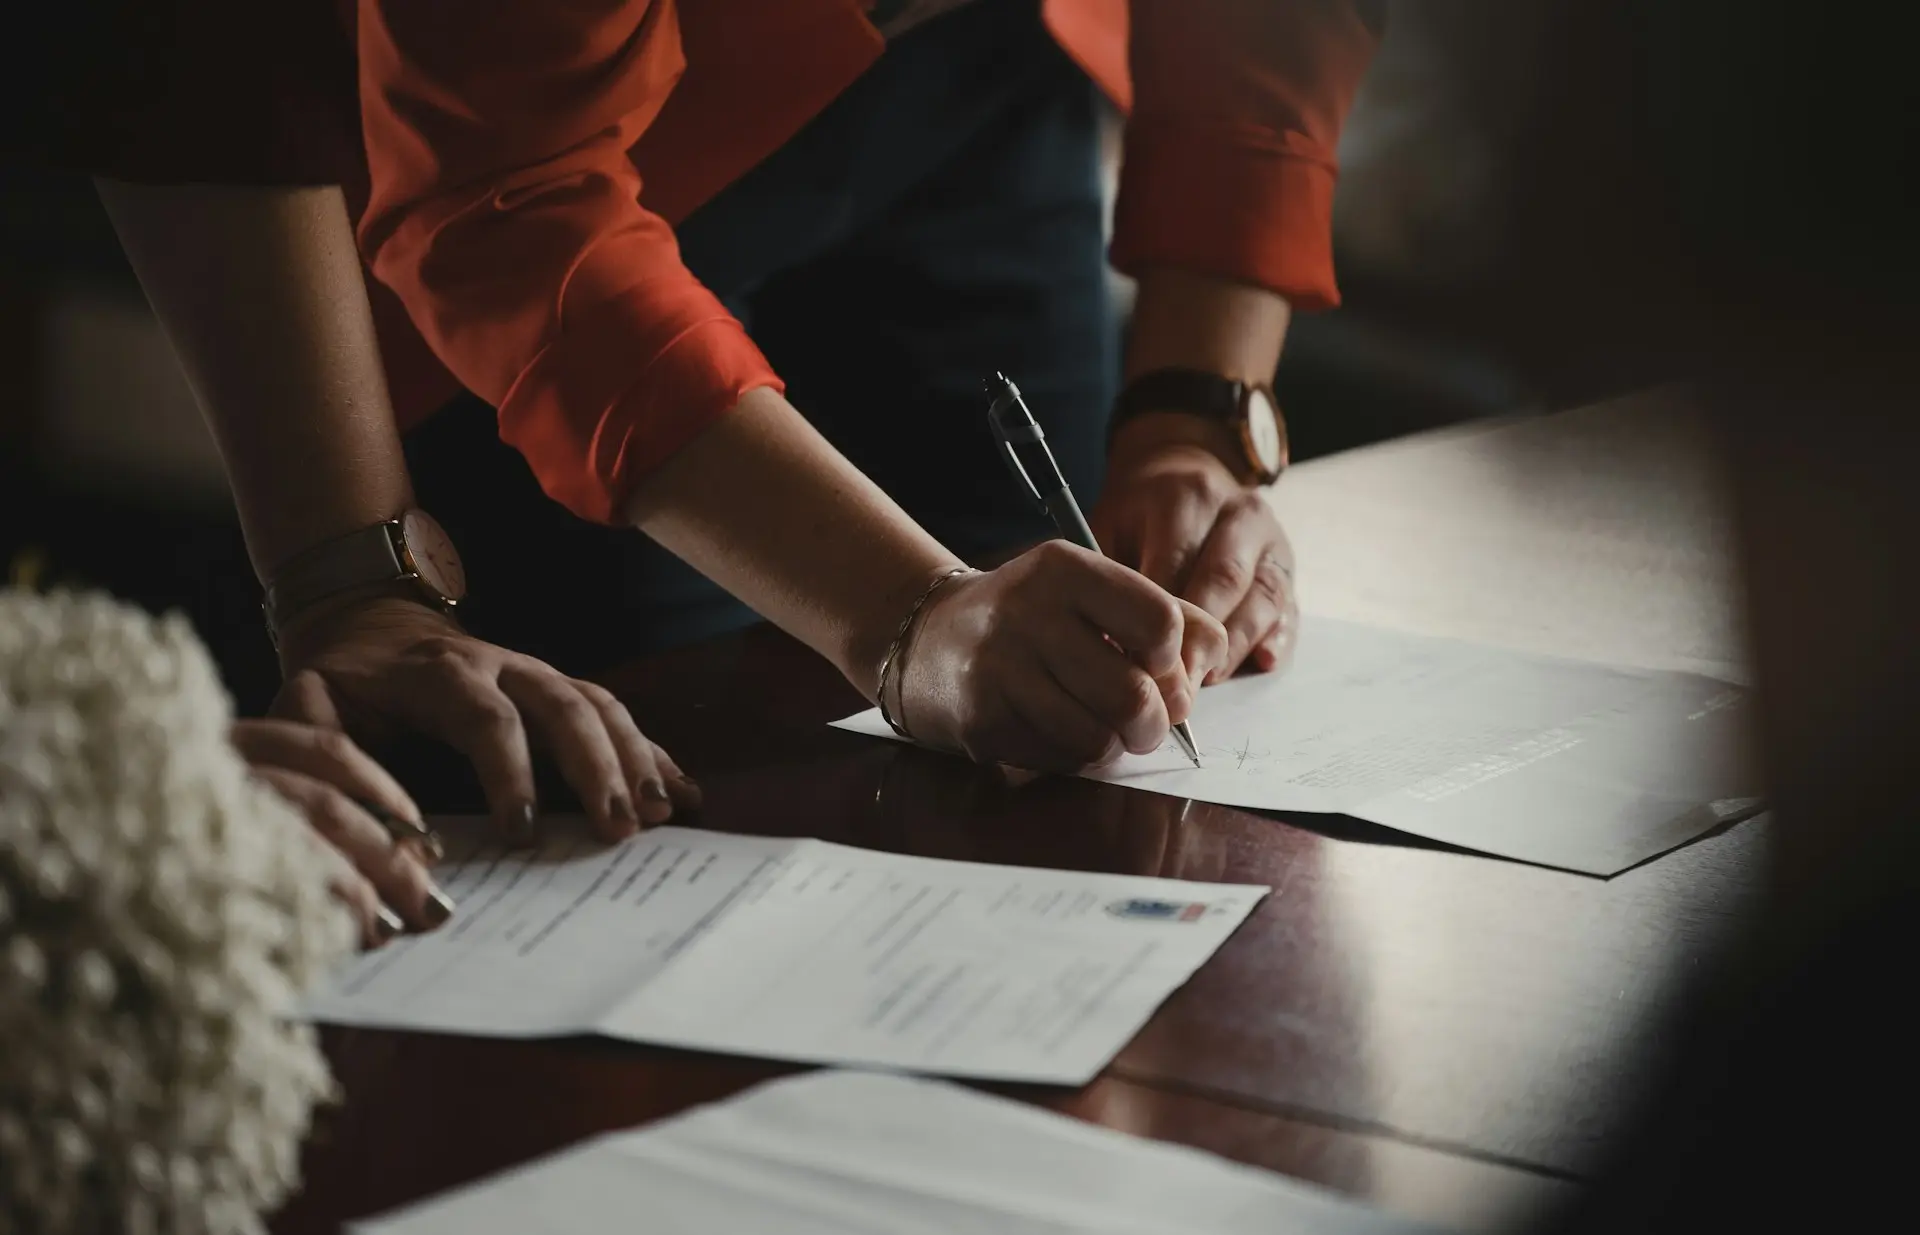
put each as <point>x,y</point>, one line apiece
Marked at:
<point>691,788</point>
<point>388,924</point>
<point>521,826</point>
<point>655,805</point>
<point>438,908</point>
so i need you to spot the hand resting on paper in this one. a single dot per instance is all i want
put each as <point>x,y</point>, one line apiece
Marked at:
<point>381,664</point>
<point>337,786</point>
<point>1174,511</point>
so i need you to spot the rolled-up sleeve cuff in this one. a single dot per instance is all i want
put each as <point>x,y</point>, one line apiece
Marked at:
<point>1244,204</point>
<point>592,424</point>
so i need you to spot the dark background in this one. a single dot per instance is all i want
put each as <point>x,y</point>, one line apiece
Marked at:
<point>1501,228</point>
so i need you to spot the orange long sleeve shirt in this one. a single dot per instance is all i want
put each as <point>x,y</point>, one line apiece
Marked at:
<point>527,161</point>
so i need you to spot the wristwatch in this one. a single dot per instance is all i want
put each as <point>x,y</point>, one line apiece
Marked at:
<point>1247,408</point>
<point>412,552</point>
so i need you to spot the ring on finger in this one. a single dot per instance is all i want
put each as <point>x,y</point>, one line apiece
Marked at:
<point>405,829</point>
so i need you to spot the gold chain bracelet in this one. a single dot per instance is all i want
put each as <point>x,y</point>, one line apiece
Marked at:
<point>891,661</point>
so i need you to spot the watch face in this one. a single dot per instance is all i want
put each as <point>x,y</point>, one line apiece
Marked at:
<point>1265,432</point>
<point>433,554</point>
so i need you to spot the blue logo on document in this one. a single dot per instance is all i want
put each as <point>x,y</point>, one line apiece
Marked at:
<point>1158,911</point>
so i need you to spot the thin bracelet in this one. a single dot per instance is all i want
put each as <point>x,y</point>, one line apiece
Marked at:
<point>891,660</point>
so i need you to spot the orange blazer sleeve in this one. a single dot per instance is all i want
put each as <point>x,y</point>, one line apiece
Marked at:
<point>1229,164</point>
<point>504,211</point>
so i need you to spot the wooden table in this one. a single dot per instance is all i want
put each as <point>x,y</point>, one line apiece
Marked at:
<point>1447,1035</point>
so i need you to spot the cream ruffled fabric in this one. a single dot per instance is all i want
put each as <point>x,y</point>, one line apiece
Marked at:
<point>160,914</point>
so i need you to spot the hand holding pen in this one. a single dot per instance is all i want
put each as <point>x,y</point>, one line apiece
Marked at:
<point>1023,445</point>
<point>1059,659</point>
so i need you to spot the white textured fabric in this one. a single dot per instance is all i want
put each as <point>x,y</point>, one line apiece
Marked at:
<point>160,914</point>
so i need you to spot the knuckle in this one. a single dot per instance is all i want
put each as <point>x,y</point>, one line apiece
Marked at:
<point>1142,693</point>
<point>332,816</point>
<point>1166,620</point>
<point>1057,554</point>
<point>596,694</point>
<point>332,745</point>
<point>445,654</point>
<point>574,712</point>
<point>1268,576</point>
<point>1224,573</point>
<point>491,712</point>
<point>1197,489</point>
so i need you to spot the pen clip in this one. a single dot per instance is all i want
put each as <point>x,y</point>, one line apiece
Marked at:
<point>1005,437</point>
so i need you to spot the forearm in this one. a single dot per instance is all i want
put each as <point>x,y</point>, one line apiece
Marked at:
<point>260,292</point>
<point>765,507</point>
<point>1188,320</point>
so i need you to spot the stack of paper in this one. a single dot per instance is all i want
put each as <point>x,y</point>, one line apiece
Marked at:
<point>797,950</point>
<point>848,1153</point>
<point>1560,762</point>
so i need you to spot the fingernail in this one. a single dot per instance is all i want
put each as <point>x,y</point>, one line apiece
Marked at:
<point>388,923</point>
<point>438,908</point>
<point>692,789</point>
<point>521,827</point>
<point>654,791</point>
<point>620,810</point>
<point>432,846</point>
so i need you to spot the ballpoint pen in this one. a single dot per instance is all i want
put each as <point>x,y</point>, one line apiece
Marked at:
<point>1023,444</point>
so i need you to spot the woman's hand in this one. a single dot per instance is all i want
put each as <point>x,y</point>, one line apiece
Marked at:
<point>383,664</point>
<point>1173,510</point>
<point>339,788</point>
<point>1060,659</point>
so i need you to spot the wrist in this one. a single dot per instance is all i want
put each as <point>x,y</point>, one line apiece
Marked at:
<point>376,604</point>
<point>1153,437</point>
<point>864,652</point>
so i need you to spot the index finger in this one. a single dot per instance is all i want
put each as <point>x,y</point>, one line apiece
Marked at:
<point>467,709</point>
<point>326,755</point>
<point>1123,604</point>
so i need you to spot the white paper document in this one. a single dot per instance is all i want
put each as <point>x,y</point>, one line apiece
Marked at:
<point>1560,762</point>
<point>794,949</point>
<point>852,1153</point>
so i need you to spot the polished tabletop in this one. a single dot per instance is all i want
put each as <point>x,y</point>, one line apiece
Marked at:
<point>1448,1035</point>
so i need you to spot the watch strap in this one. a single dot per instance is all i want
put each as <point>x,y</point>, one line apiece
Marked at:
<point>1183,390</point>
<point>370,555</point>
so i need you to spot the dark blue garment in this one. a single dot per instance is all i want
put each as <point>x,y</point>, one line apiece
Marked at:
<point>938,221</point>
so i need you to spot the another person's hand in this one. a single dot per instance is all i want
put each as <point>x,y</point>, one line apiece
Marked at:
<point>1060,659</point>
<point>383,664</point>
<point>338,787</point>
<point>1174,511</point>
